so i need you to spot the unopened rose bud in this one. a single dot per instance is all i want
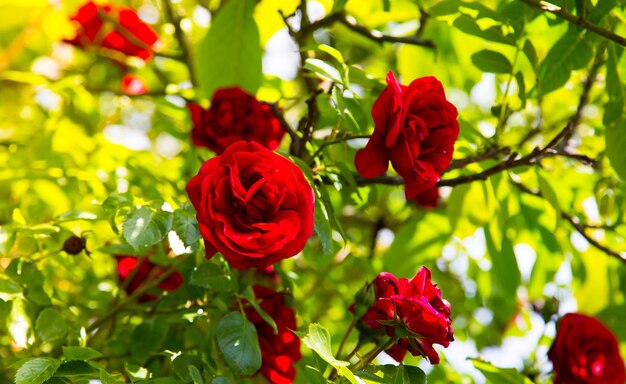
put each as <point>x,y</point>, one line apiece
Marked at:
<point>74,245</point>
<point>363,300</point>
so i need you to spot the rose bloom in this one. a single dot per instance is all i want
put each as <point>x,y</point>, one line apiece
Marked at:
<point>279,352</point>
<point>415,128</point>
<point>114,27</point>
<point>139,270</point>
<point>415,305</point>
<point>234,115</point>
<point>585,352</point>
<point>253,206</point>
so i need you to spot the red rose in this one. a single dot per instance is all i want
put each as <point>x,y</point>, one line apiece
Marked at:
<point>279,351</point>
<point>127,268</point>
<point>133,85</point>
<point>416,307</point>
<point>585,352</point>
<point>415,128</point>
<point>234,115</point>
<point>253,206</point>
<point>113,27</point>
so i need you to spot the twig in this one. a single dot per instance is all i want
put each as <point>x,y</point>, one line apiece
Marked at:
<point>343,139</point>
<point>490,153</point>
<point>381,38</point>
<point>511,162</point>
<point>180,37</point>
<point>578,226</point>
<point>281,118</point>
<point>580,21</point>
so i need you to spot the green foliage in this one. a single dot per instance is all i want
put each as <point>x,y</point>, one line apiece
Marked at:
<point>230,53</point>
<point>531,213</point>
<point>36,371</point>
<point>238,341</point>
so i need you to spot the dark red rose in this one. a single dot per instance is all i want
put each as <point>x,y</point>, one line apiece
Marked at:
<point>585,352</point>
<point>133,85</point>
<point>279,352</point>
<point>428,199</point>
<point>415,128</point>
<point>234,115</point>
<point>113,27</point>
<point>414,306</point>
<point>253,206</point>
<point>139,270</point>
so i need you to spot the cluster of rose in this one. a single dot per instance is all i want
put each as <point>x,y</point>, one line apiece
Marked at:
<point>255,207</point>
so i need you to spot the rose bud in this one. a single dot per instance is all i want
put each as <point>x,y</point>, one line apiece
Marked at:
<point>74,245</point>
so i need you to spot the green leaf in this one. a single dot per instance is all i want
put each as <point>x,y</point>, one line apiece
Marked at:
<point>36,371</point>
<point>50,325</point>
<point>407,374</point>
<point>548,193</point>
<point>106,378</point>
<point>615,113</point>
<point>196,377</point>
<point>322,225</point>
<point>318,339</point>
<point>570,52</point>
<point>221,380</point>
<point>615,109</point>
<point>531,54</point>
<point>468,25</point>
<point>230,53</point>
<point>456,202</point>
<point>146,338</point>
<point>339,5</point>
<point>186,226</point>
<point>444,8</point>
<point>332,51</point>
<point>323,70</point>
<point>209,275</point>
<point>9,286</point>
<point>497,375</point>
<point>615,138</point>
<point>76,215</point>
<point>238,341</point>
<point>491,61</point>
<point>249,294</point>
<point>521,86</point>
<point>80,353</point>
<point>75,368</point>
<point>182,363</point>
<point>505,270</point>
<point>143,227</point>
